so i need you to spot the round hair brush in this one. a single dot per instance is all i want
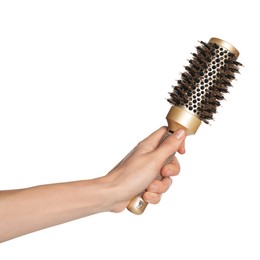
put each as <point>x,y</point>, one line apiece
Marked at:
<point>197,94</point>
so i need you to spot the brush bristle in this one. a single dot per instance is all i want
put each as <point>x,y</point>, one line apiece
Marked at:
<point>205,81</point>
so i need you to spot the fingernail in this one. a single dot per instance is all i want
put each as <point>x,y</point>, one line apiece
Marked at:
<point>178,134</point>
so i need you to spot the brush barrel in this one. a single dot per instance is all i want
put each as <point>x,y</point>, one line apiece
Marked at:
<point>137,205</point>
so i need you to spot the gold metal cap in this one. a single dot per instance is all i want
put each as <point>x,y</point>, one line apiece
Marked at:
<point>179,117</point>
<point>225,45</point>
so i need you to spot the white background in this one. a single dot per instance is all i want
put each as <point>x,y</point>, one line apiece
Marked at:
<point>81,82</point>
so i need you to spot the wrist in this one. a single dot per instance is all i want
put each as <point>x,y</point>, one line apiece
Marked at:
<point>118,195</point>
<point>97,195</point>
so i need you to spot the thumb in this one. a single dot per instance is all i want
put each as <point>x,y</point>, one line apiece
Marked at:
<point>171,145</point>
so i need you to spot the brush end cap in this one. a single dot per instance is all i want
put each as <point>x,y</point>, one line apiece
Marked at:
<point>225,45</point>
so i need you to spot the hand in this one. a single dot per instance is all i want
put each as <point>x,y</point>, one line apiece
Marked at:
<point>138,170</point>
<point>30,209</point>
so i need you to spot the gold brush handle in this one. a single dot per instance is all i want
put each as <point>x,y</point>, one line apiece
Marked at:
<point>137,205</point>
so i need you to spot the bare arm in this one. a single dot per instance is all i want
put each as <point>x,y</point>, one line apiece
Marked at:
<point>27,210</point>
<point>31,209</point>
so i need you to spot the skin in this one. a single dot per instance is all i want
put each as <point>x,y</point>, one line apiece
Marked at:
<point>31,209</point>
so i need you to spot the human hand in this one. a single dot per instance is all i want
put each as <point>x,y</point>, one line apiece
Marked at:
<point>138,170</point>
<point>30,209</point>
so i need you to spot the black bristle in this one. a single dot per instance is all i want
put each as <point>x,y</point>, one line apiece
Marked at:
<point>195,64</point>
<point>175,100</point>
<point>182,94</point>
<point>204,52</point>
<point>205,45</point>
<point>187,77</point>
<point>230,76</point>
<point>222,88</point>
<point>237,63</point>
<point>185,86</point>
<point>192,71</point>
<point>200,60</point>
<point>218,95</point>
<point>205,81</point>
<point>234,70</point>
<point>205,116</point>
<point>212,101</point>
<point>225,82</point>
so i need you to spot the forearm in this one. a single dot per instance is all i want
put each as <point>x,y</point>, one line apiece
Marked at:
<point>28,210</point>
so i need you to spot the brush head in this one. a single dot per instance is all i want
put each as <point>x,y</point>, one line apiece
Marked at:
<point>206,79</point>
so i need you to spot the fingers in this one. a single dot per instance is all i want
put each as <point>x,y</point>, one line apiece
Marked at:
<point>155,190</point>
<point>151,142</point>
<point>160,186</point>
<point>182,149</point>
<point>151,197</point>
<point>171,169</point>
<point>171,145</point>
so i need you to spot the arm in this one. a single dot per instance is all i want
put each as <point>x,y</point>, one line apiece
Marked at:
<point>31,209</point>
<point>27,210</point>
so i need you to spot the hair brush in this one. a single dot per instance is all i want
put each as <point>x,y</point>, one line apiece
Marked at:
<point>197,94</point>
